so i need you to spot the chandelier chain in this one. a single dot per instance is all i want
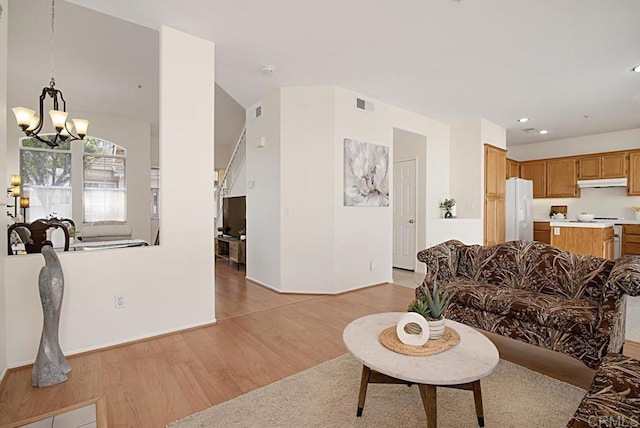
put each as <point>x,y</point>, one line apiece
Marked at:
<point>53,29</point>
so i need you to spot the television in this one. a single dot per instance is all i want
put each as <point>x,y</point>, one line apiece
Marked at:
<point>234,215</point>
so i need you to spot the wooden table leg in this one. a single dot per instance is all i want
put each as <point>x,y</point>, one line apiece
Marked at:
<point>429,401</point>
<point>477,397</point>
<point>366,373</point>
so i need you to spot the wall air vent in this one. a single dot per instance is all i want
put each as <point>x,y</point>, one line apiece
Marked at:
<point>364,105</point>
<point>258,111</point>
<point>530,130</point>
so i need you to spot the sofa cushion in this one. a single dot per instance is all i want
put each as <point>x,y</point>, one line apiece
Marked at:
<point>557,312</point>
<point>536,267</point>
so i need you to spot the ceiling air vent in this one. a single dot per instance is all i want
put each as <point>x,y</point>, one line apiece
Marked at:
<point>258,111</point>
<point>530,130</point>
<point>364,105</point>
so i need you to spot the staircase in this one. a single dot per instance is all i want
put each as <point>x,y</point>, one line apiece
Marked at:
<point>231,173</point>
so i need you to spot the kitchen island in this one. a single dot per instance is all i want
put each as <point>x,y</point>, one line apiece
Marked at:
<point>590,238</point>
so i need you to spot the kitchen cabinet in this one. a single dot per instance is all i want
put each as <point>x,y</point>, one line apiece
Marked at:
<point>513,168</point>
<point>495,162</point>
<point>542,232</point>
<point>634,174</point>
<point>631,239</point>
<point>605,165</point>
<point>535,171</point>
<point>561,178</point>
<point>593,241</point>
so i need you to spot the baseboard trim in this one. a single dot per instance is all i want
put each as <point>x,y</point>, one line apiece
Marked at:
<point>314,292</point>
<point>3,377</point>
<point>117,344</point>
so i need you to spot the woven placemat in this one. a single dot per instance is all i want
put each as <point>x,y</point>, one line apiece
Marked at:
<point>389,339</point>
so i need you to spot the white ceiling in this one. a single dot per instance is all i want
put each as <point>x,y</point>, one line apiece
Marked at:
<point>553,61</point>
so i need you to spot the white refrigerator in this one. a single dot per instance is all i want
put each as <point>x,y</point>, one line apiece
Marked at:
<point>519,206</point>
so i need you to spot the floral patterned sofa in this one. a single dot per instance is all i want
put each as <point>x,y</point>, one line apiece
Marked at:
<point>537,293</point>
<point>613,400</point>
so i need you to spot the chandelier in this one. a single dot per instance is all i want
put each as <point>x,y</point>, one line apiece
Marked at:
<point>31,124</point>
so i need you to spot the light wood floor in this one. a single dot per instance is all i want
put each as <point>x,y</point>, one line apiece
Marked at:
<point>261,337</point>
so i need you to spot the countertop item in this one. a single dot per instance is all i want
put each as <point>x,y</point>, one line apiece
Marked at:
<point>584,224</point>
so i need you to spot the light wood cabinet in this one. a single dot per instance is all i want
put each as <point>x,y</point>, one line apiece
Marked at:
<point>614,165</point>
<point>561,178</point>
<point>634,174</point>
<point>589,167</point>
<point>605,165</point>
<point>542,231</point>
<point>513,169</point>
<point>631,239</point>
<point>495,162</point>
<point>584,240</point>
<point>535,171</point>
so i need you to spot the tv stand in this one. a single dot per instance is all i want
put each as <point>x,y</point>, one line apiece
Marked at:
<point>231,249</point>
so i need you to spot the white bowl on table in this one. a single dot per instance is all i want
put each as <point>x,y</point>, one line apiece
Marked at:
<point>585,217</point>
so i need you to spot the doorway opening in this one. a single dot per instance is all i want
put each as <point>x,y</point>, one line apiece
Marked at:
<point>409,206</point>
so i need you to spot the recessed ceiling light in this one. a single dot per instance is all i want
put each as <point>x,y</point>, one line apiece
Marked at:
<point>636,69</point>
<point>543,131</point>
<point>523,119</point>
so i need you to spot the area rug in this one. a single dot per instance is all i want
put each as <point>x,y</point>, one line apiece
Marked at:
<point>326,396</point>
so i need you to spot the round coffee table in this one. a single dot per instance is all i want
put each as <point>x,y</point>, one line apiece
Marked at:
<point>461,367</point>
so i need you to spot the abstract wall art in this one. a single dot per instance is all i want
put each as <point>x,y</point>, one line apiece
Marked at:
<point>366,174</point>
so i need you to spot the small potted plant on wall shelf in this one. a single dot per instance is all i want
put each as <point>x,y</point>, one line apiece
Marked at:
<point>448,205</point>
<point>243,234</point>
<point>220,231</point>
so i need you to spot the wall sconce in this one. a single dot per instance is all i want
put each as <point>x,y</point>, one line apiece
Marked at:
<point>24,204</point>
<point>14,192</point>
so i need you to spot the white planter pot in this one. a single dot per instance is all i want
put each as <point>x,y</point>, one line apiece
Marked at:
<point>436,329</point>
<point>243,237</point>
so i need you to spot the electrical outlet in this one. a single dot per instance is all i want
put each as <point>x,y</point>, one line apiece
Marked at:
<point>118,302</point>
<point>556,231</point>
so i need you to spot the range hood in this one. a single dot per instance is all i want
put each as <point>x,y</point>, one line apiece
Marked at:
<point>603,182</point>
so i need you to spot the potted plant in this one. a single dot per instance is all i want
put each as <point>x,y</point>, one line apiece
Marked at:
<point>448,205</point>
<point>220,231</point>
<point>432,305</point>
<point>243,234</point>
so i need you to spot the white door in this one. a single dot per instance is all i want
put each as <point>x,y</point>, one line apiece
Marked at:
<point>404,214</point>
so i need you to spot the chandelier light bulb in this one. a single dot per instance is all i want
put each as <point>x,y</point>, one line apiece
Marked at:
<point>59,118</point>
<point>23,116</point>
<point>15,180</point>
<point>66,131</point>
<point>81,127</point>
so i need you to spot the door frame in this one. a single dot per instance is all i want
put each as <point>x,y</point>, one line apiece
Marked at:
<point>415,212</point>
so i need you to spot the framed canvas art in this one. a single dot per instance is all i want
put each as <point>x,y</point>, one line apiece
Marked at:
<point>366,174</point>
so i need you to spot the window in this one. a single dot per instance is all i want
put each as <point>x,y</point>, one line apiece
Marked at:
<point>46,178</point>
<point>105,192</point>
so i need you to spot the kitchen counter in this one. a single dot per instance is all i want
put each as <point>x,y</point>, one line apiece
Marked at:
<point>582,224</point>
<point>619,221</point>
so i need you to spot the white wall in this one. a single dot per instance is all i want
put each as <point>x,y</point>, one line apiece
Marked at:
<point>307,183</point>
<point>362,234</point>
<point>608,142</point>
<point>263,201</point>
<point>4,4</point>
<point>230,119</point>
<point>605,202</point>
<point>166,288</point>
<point>406,146</point>
<point>467,157</point>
